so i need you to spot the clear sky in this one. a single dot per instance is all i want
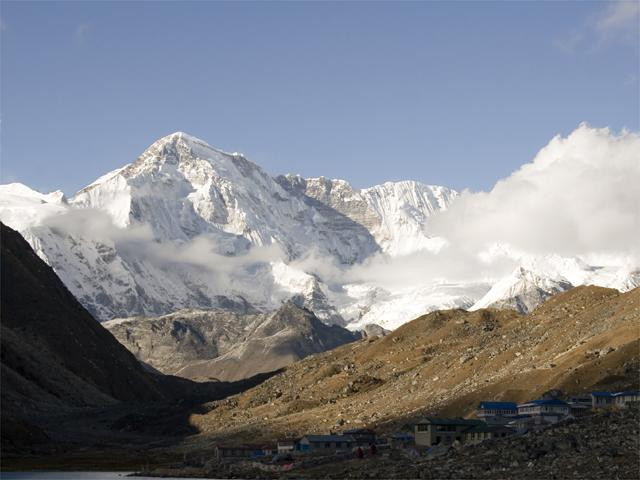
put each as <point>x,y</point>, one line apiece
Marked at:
<point>451,93</point>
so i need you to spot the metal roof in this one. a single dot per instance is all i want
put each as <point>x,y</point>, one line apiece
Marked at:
<point>602,394</point>
<point>498,405</point>
<point>628,392</point>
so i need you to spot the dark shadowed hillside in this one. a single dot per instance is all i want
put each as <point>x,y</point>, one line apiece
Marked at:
<point>57,360</point>
<point>54,354</point>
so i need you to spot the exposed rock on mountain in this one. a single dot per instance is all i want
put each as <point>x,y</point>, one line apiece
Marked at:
<point>200,344</point>
<point>444,363</point>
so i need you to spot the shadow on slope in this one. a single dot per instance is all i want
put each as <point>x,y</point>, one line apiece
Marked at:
<point>66,381</point>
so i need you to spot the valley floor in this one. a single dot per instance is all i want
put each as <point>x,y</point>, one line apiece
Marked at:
<point>602,445</point>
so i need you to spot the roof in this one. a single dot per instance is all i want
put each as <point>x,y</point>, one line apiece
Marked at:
<point>627,393</point>
<point>498,405</point>
<point>449,421</point>
<point>549,401</point>
<point>328,438</point>
<point>601,394</point>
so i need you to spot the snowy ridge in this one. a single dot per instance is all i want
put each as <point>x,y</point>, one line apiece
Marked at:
<point>189,226</point>
<point>523,290</point>
<point>394,212</point>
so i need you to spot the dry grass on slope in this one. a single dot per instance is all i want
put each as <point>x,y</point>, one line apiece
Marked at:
<point>443,363</point>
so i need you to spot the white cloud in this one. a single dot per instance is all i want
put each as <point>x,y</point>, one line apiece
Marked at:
<point>578,197</point>
<point>621,15</point>
<point>139,242</point>
<point>618,21</point>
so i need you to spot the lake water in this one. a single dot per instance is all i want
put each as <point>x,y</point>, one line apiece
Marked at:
<point>74,476</point>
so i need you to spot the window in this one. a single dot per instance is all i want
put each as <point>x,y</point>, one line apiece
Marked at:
<point>327,445</point>
<point>423,428</point>
<point>438,440</point>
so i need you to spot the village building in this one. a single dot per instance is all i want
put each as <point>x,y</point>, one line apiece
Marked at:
<point>617,399</point>
<point>552,407</point>
<point>287,445</point>
<point>530,423</point>
<point>580,405</point>
<point>362,436</point>
<point>433,431</point>
<point>496,409</point>
<point>326,443</point>
<point>625,399</point>
<point>583,399</point>
<point>579,409</point>
<point>242,451</point>
<point>401,440</point>
<point>602,399</point>
<point>480,433</point>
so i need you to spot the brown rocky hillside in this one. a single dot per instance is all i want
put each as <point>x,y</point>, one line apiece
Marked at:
<point>443,363</point>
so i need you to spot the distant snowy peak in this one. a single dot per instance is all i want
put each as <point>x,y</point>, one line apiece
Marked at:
<point>394,212</point>
<point>523,291</point>
<point>21,207</point>
<point>20,190</point>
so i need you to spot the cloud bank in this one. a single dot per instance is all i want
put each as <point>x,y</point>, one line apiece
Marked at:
<point>578,197</point>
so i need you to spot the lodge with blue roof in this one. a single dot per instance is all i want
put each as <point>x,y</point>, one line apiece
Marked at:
<point>495,409</point>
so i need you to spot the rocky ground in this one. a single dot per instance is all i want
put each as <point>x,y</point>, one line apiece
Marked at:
<point>603,445</point>
<point>442,364</point>
<point>224,345</point>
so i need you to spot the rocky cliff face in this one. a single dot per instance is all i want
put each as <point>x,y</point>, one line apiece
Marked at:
<point>216,345</point>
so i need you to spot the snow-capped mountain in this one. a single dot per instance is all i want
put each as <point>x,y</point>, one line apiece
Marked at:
<point>183,188</point>
<point>188,226</point>
<point>395,212</point>
<point>523,290</point>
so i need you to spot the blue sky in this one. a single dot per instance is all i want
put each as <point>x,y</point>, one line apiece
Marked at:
<point>452,93</point>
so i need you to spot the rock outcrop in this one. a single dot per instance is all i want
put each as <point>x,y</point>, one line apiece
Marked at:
<point>219,345</point>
